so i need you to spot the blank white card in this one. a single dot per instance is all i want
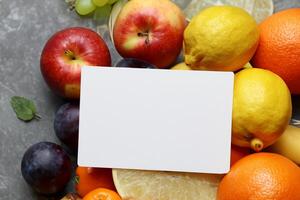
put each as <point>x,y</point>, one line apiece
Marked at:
<point>154,119</point>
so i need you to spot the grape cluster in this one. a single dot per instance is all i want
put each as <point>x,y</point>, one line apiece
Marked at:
<point>100,8</point>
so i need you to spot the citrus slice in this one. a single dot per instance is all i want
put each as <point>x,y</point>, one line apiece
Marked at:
<point>259,9</point>
<point>149,185</point>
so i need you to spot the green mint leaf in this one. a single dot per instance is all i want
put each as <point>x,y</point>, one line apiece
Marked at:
<point>24,108</point>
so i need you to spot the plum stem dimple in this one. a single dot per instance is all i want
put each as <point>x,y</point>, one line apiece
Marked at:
<point>256,144</point>
<point>70,54</point>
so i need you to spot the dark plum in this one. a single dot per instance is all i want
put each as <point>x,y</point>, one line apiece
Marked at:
<point>134,63</point>
<point>46,167</point>
<point>66,124</point>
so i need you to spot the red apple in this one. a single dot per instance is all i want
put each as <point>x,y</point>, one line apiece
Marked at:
<point>65,53</point>
<point>150,30</point>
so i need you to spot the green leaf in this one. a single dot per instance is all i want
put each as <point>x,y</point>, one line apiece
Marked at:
<point>24,108</point>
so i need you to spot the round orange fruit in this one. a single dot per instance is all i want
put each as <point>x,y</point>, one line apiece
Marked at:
<point>279,47</point>
<point>102,194</point>
<point>261,176</point>
<point>89,179</point>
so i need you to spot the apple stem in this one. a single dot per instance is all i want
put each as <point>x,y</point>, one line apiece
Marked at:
<point>70,54</point>
<point>145,34</point>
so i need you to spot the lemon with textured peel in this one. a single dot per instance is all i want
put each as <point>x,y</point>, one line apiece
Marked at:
<point>149,185</point>
<point>181,66</point>
<point>220,38</point>
<point>259,9</point>
<point>261,108</point>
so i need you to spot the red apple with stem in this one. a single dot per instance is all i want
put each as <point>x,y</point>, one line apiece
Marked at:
<point>150,30</point>
<point>65,53</point>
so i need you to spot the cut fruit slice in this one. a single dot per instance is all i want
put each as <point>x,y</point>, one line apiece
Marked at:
<point>259,9</point>
<point>149,185</point>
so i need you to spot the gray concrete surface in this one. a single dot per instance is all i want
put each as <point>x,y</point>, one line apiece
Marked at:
<point>24,28</point>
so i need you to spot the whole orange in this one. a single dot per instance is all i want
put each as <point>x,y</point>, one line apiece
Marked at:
<point>261,176</point>
<point>279,47</point>
<point>89,179</point>
<point>102,194</point>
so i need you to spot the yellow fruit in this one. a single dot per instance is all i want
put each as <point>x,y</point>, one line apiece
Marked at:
<point>261,108</point>
<point>288,144</point>
<point>150,185</point>
<point>181,66</point>
<point>259,9</point>
<point>222,38</point>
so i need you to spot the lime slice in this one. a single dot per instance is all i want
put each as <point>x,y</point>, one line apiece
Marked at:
<point>149,185</point>
<point>259,9</point>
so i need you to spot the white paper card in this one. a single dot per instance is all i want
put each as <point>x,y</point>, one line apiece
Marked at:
<point>155,119</point>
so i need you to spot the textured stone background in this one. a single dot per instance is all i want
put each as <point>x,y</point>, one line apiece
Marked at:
<point>24,28</point>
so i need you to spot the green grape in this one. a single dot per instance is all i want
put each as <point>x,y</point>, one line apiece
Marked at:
<point>84,7</point>
<point>100,2</point>
<point>102,12</point>
<point>112,1</point>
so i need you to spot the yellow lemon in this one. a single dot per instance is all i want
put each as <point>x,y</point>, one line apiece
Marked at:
<point>221,38</point>
<point>181,66</point>
<point>261,108</point>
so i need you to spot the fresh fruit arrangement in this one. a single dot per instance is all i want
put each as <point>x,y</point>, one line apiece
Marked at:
<point>151,34</point>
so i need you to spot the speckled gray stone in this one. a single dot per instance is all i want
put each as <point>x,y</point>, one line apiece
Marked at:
<point>24,28</point>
